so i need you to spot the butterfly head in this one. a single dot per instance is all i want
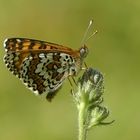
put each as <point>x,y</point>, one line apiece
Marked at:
<point>83,51</point>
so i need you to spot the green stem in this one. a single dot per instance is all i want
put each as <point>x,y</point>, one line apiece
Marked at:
<point>82,119</point>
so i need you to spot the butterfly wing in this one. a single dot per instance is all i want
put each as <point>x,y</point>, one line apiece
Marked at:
<point>26,45</point>
<point>42,74</point>
<point>42,66</point>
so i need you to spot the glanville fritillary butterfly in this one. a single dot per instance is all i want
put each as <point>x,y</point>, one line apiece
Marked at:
<point>43,66</point>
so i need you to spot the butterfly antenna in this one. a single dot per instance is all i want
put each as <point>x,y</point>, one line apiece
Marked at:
<point>95,32</point>
<point>86,32</point>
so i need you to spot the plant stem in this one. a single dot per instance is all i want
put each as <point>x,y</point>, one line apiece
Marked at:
<point>81,119</point>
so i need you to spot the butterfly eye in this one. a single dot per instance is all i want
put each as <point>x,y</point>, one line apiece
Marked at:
<point>83,51</point>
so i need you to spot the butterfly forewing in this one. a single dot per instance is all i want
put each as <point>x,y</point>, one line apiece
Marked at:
<point>23,44</point>
<point>42,66</point>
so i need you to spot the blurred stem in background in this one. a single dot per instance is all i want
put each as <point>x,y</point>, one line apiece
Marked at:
<point>88,99</point>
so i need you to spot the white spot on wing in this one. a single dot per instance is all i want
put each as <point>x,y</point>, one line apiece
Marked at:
<point>39,68</point>
<point>42,73</point>
<point>35,92</point>
<point>46,76</point>
<point>41,55</point>
<point>4,44</point>
<point>45,83</point>
<point>18,40</point>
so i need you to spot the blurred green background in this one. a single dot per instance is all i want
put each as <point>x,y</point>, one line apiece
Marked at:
<point>115,51</point>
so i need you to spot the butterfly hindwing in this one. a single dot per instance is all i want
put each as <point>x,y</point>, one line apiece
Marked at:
<point>42,74</point>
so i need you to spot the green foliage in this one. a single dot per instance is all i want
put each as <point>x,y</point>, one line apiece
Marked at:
<point>88,99</point>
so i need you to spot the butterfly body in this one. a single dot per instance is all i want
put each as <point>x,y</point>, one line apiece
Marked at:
<point>42,66</point>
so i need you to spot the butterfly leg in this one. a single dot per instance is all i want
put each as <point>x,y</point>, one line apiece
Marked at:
<point>86,67</point>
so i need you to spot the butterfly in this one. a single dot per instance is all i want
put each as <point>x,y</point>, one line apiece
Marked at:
<point>42,66</point>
